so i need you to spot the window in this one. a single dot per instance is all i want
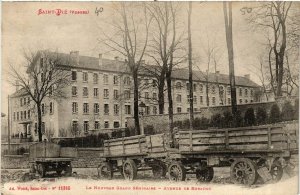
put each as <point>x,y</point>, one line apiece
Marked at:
<point>105,93</point>
<point>213,101</point>
<point>251,92</point>
<point>116,94</point>
<point>228,90</point>
<point>25,114</point>
<point>95,78</point>
<point>178,98</point>
<point>28,100</point>
<point>246,93</point>
<point>147,110</point>
<point>195,87</point>
<point>50,91</point>
<point>201,99</point>
<point>85,77</point>
<point>74,107</point>
<point>75,127</point>
<point>241,101</point>
<point>127,81</point>
<point>126,124</point>
<point>14,116</point>
<point>86,126</point>
<point>43,128</point>
<point>213,89</point>
<point>178,109</point>
<point>97,125</point>
<point>116,124</point>
<point>21,115</point>
<point>188,86</point>
<point>116,109</point>
<point>154,110</point>
<point>96,94</point>
<point>201,88</point>
<point>105,79</point>
<point>146,96</point>
<point>106,109</point>
<point>106,124</point>
<point>188,98</point>
<point>116,80</point>
<point>154,83</point>
<point>28,113</point>
<point>51,108</point>
<point>43,109</point>
<point>96,108</point>
<point>127,109</point>
<point>85,92</point>
<point>127,94</point>
<point>229,101</point>
<point>17,115</point>
<point>178,85</point>
<point>221,90</point>
<point>85,108</point>
<point>246,101</point>
<point>154,96</point>
<point>195,100</point>
<point>241,92</point>
<point>74,75</point>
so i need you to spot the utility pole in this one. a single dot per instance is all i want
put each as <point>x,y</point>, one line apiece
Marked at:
<point>229,40</point>
<point>8,124</point>
<point>190,68</point>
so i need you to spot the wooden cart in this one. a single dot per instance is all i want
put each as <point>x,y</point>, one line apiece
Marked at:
<point>45,157</point>
<point>251,152</point>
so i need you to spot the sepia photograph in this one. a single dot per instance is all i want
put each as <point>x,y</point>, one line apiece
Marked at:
<point>150,97</point>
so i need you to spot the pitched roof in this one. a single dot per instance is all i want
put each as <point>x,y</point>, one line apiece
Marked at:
<point>86,62</point>
<point>20,92</point>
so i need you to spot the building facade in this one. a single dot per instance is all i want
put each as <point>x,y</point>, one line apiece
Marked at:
<point>100,97</point>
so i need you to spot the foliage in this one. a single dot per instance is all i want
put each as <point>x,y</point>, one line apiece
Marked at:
<point>89,141</point>
<point>288,111</point>
<point>249,118</point>
<point>261,116</point>
<point>274,114</point>
<point>227,119</point>
<point>149,130</point>
<point>216,120</point>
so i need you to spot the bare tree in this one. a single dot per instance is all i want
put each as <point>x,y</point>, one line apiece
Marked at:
<point>190,52</point>
<point>274,16</point>
<point>44,76</point>
<point>227,8</point>
<point>127,42</point>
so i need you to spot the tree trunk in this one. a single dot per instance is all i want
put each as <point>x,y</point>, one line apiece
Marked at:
<point>161,96</point>
<point>169,87</point>
<point>39,112</point>
<point>229,41</point>
<point>190,68</point>
<point>136,102</point>
<point>207,88</point>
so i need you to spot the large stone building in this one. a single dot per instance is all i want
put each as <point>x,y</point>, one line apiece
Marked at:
<point>100,97</point>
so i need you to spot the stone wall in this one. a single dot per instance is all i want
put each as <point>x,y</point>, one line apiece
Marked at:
<point>160,122</point>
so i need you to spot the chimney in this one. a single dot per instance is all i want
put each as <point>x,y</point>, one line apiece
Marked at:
<point>75,57</point>
<point>117,58</point>
<point>100,59</point>
<point>247,76</point>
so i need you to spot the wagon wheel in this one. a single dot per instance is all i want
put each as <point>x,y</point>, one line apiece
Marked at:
<point>176,172</point>
<point>129,170</point>
<point>276,171</point>
<point>68,170</point>
<point>105,170</point>
<point>205,175</point>
<point>159,171</point>
<point>243,171</point>
<point>41,168</point>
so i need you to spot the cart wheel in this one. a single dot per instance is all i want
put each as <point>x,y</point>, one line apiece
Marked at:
<point>205,175</point>
<point>159,170</point>
<point>276,171</point>
<point>68,170</point>
<point>176,172</point>
<point>105,170</point>
<point>41,170</point>
<point>129,170</point>
<point>243,171</point>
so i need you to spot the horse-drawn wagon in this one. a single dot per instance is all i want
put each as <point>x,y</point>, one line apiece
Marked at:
<point>45,157</point>
<point>251,152</point>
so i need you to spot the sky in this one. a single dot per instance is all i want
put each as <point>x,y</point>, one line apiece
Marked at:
<point>23,27</point>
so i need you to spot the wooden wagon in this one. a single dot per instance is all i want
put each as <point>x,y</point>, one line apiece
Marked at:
<point>251,152</point>
<point>45,157</point>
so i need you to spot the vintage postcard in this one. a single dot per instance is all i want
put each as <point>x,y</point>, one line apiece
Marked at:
<point>148,97</point>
